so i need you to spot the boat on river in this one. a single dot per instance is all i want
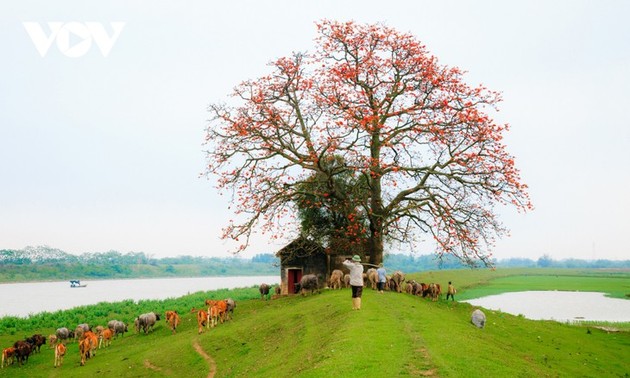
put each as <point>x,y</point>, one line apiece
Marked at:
<point>77,283</point>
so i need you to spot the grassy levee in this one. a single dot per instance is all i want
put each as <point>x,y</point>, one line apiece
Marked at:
<point>320,336</point>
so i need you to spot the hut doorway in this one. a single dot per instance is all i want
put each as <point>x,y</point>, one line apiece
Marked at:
<point>294,275</point>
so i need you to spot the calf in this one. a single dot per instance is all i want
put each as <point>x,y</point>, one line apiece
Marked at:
<point>202,318</point>
<point>84,350</point>
<point>105,337</point>
<point>173,320</point>
<point>52,340</point>
<point>60,351</point>
<point>8,356</point>
<point>264,291</point>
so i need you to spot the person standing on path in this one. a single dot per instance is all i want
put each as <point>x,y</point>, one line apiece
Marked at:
<point>382,277</point>
<point>451,291</point>
<point>356,280</point>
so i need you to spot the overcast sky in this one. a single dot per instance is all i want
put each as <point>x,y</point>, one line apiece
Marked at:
<point>104,152</point>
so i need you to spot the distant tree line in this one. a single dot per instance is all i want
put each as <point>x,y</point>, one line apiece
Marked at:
<point>45,263</point>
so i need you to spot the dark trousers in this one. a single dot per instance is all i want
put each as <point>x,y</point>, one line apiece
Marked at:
<point>357,291</point>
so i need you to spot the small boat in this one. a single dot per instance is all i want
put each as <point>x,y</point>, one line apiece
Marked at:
<point>76,283</point>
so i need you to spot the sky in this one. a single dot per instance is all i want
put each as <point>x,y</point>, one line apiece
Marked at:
<point>101,138</point>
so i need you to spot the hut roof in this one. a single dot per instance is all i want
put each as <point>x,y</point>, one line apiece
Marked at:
<point>301,247</point>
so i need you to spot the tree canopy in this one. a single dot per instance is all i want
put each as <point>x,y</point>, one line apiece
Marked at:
<point>415,147</point>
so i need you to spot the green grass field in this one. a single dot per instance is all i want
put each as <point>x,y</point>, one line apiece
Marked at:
<point>320,336</point>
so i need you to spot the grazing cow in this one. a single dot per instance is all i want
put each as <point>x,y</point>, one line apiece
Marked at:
<point>36,342</point>
<point>147,321</point>
<point>52,340</point>
<point>409,288</point>
<point>62,334</point>
<point>310,283</point>
<point>346,280</point>
<point>398,277</point>
<point>8,356</point>
<point>202,318</point>
<point>172,318</point>
<point>23,349</point>
<point>105,337</point>
<point>335,279</point>
<point>277,290</point>
<point>264,291</point>
<point>60,351</point>
<point>372,278</point>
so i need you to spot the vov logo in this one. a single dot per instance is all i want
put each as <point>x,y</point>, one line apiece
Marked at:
<point>74,39</point>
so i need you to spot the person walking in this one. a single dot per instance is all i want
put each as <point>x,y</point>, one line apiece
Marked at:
<point>356,280</point>
<point>382,277</point>
<point>451,291</point>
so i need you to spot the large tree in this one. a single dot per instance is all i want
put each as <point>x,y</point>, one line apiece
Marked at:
<point>425,154</point>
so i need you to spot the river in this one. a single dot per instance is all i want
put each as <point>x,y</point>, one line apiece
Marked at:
<point>24,299</point>
<point>558,305</point>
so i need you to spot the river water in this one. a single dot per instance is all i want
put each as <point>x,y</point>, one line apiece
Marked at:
<point>24,299</point>
<point>558,305</point>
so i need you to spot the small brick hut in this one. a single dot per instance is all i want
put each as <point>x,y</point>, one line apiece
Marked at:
<point>301,257</point>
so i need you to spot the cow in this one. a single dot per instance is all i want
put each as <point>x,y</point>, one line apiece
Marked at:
<point>346,280</point>
<point>173,320</point>
<point>310,283</point>
<point>52,340</point>
<point>60,351</point>
<point>36,341</point>
<point>84,350</point>
<point>91,336</point>
<point>8,356</point>
<point>105,337</point>
<point>409,288</point>
<point>231,305</point>
<point>147,321</point>
<point>118,327</point>
<point>23,349</point>
<point>264,291</point>
<point>372,278</point>
<point>98,329</point>
<point>398,277</point>
<point>277,290</point>
<point>202,318</point>
<point>335,279</point>
<point>136,323</point>
<point>216,311</point>
<point>62,334</point>
<point>80,330</point>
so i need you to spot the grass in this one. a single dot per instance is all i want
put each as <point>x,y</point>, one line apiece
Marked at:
<point>320,336</point>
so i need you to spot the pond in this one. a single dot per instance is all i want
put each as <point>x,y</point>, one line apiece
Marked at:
<point>558,305</point>
<point>23,299</point>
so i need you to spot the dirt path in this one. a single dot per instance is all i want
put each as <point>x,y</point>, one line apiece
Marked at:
<point>206,356</point>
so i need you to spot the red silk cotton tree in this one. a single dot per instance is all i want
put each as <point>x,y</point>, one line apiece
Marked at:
<point>423,152</point>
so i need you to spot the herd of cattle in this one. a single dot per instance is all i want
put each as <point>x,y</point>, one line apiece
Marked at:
<point>90,339</point>
<point>396,282</point>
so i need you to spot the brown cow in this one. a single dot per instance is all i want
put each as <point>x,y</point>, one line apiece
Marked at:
<point>84,350</point>
<point>105,337</point>
<point>217,311</point>
<point>91,336</point>
<point>264,291</point>
<point>8,356</point>
<point>202,318</point>
<point>173,320</point>
<point>335,279</point>
<point>60,351</point>
<point>52,340</point>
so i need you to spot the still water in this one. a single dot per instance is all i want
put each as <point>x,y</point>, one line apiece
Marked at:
<point>23,299</point>
<point>558,305</point>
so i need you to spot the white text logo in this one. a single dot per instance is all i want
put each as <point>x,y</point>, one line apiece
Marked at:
<point>74,39</point>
